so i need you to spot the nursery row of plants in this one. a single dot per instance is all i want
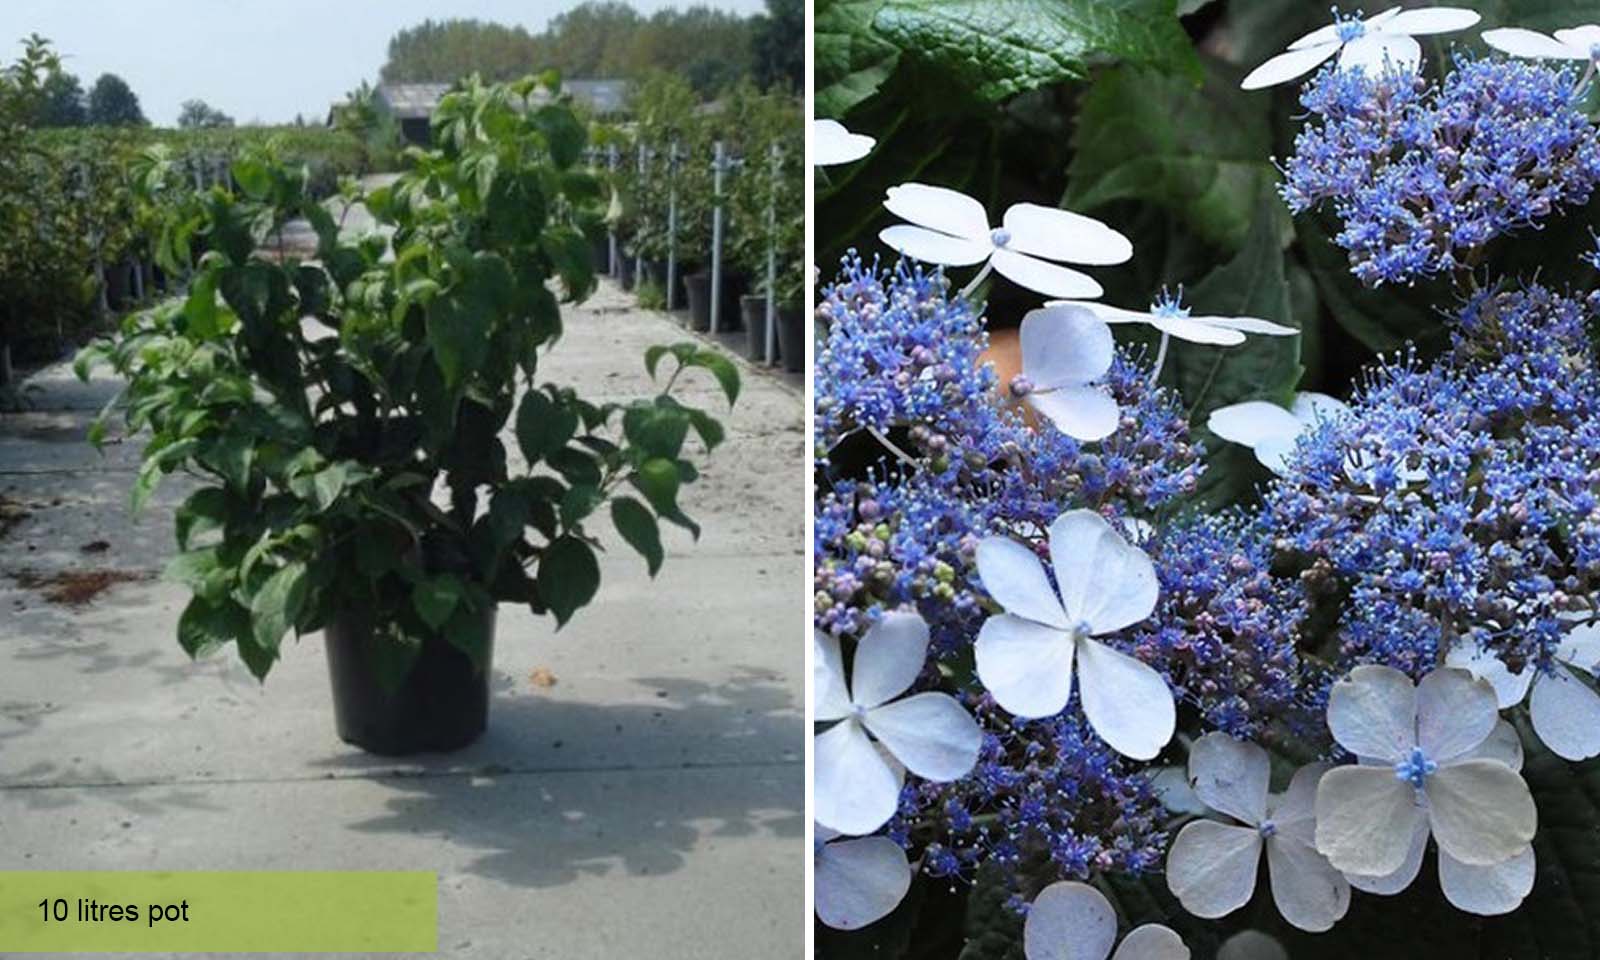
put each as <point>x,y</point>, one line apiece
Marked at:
<point>662,172</point>
<point>76,237</point>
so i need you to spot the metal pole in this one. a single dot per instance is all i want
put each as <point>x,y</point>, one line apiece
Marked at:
<point>775,166</point>
<point>718,165</point>
<point>638,256</point>
<point>673,156</point>
<point>613,266</point>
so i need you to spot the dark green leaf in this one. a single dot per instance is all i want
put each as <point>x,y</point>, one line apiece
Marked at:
<point>999,48</point>
<point>435,598</point>
<point>470,630</point>
<point>205,510</point>
<point>658,480</point>
<point>1204,153</point>
<point>205,625</point>
<point>639,528</point>
<point>458,332</point>
<point>569,575</point>
<point>543,426</point>
<point>852,60</point>
<point>277,604</point>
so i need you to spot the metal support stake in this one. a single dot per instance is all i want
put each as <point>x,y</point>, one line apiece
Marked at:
<point>775,170</point>
<point>613,266</point>
<point>673,156</point>
<point>638,256</point>
<point>719,166</point>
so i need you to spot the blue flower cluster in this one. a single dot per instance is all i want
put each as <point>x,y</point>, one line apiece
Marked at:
<point>1047,798</point>
<point>906,360</point>
<point>899,353</point>
<point>1423,175</point>
<point>1460,501</point>
<point>1225,630</point>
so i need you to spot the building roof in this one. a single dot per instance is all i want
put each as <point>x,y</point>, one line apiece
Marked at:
<point>601,96</point>
<point>414,101</point>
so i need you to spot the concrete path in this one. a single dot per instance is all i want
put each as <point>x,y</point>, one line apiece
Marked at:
<point>647,803</point>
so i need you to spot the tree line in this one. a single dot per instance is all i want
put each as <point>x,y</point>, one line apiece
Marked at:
<point>712,49</point>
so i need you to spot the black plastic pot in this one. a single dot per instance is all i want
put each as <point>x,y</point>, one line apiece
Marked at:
<point>442,704</point>
<point>628,278</point>
<point>698,286</point>
<point>655,271</point>
<point>119,285</point>
<point>754,311</point>
<point>791,339</point>
<point>600,250</point>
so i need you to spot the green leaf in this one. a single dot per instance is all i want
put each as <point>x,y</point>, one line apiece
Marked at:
<point>569,575</point>
<point>578,502</point>
<point>709,429</point>
<point>578,467</point>
<point>322,487</point>
<point>470,630</point>
<point>852,61</point>
<point>508,515</point>
<point>634,521</point>
<point>1204,153</point>
<point>435,598</point>
<point>656,428</point>
<point>253,177</point>
<point>277,605</point>
<point>231,456</point>
<point>206,510</point>
<point>722,368</point>
<point>996,49</point>
<point>543,426</point>
<point>205,625</point>
<point>658,480</point>
<point>201,571</point>
<point>458,332</point>
<point>392,652</point>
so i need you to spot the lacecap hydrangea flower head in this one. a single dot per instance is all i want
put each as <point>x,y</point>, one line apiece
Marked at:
<point>1454,513</point>
<point>1423,174</point>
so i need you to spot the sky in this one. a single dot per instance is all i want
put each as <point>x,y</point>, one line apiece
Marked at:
<point>256,60</point>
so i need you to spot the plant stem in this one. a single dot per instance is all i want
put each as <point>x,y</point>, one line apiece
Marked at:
<point>967,291</point>
<point>1161,358</point>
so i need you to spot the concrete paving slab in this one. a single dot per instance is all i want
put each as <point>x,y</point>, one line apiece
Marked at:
<point>640,790</point>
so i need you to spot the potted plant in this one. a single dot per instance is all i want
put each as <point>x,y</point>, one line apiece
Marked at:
<point>342,417</point>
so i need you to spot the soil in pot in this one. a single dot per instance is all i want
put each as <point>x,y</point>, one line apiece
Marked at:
<point>698,286</point>
<point>441,704</point>
<point>791,338</point>
<point>754,311</point>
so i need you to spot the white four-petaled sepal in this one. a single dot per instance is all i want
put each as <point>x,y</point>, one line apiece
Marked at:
<point>1027,656</point>
<point>1421,762</point>
<point>947,227</point>
<point>1074,921</point>
<point>1212,866</point>
<point>857,881</point>
<point>832,144</point>
<point>1378,43</point>
<point>861,760</point>
<point>1065,350</point>
<point>1575,43</point>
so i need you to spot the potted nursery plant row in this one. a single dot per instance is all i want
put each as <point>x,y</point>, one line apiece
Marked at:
<point>747,123</point>
<point>342,417</point>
